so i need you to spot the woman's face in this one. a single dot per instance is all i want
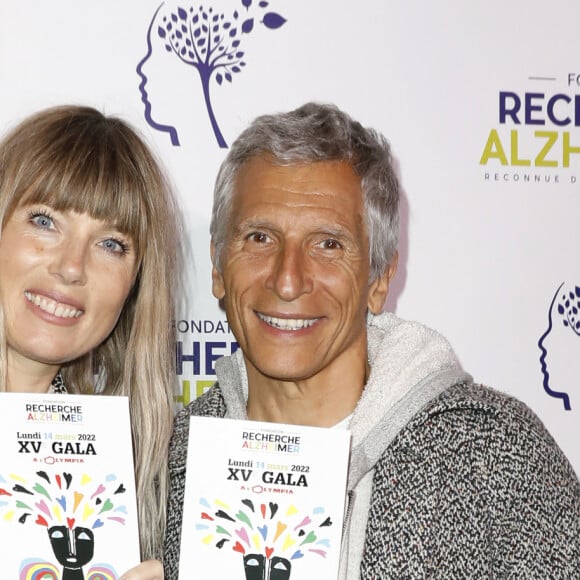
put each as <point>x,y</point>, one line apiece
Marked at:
<point>64,278</point>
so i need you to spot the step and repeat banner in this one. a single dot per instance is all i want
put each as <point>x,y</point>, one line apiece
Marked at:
<point>480,101</point>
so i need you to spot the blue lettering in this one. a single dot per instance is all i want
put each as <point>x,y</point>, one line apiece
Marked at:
<point>504,111</point>
<point>539,109</point>
<point>180,358</point>
<point>530,108</point>
<point>551,115</point>
<point>210,357</point>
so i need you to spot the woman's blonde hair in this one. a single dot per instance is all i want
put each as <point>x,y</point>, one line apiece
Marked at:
<point>75,158</point>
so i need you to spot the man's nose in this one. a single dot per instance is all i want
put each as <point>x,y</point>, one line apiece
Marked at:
<point>290,276</point>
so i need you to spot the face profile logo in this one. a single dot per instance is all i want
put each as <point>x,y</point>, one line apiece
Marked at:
<point>206,41</point>
<point>560,344</point>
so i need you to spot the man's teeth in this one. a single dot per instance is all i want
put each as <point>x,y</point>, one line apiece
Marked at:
<point>288,323</point>
<point>53,307</point>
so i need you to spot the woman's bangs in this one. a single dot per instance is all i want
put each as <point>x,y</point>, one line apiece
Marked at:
<point>96,184</point>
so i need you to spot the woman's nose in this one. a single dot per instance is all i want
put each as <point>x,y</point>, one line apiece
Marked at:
<point>69,263</point>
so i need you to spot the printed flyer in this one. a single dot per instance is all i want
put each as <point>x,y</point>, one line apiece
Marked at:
<point>263,501</point>
<point>67,491</point>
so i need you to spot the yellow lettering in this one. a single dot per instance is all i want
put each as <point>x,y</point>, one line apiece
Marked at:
<point>202,386</point>
<point>185,396</point>
<point>493,149</point>
<point>567,149</point>
<point>514,151</point>
<point>541,161</point>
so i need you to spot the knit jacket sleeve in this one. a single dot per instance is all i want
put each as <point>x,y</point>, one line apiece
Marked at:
<point>211,404</point>
<point>473,487</point>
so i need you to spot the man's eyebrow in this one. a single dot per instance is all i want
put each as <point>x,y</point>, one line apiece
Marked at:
<point>323,229</point>
<point>252,223</point>
<point>334,230</point>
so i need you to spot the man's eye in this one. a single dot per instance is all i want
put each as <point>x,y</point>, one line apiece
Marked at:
<point>258,237</point>
<point>331,244</point>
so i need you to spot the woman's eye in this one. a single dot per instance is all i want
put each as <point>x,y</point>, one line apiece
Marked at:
<point>42,220</point>
<point>114,246</point>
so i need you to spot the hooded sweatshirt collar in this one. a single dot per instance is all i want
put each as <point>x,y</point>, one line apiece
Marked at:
<point>410,366</point>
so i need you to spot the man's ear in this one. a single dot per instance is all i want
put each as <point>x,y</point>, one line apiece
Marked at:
<point>217,281</point>
<point>379,287</point>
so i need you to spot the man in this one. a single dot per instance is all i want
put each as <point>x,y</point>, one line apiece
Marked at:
<point>447,478</point>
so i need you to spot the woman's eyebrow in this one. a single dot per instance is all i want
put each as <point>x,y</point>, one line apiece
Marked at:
<point>115,226</point>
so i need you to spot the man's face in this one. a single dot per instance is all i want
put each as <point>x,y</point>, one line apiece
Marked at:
<point>295,269</point>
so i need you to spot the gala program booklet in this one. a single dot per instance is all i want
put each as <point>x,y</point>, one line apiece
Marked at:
<point>263,501</point>
<point>67,491</point>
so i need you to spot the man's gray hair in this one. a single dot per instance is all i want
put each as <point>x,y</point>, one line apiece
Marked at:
<point>318,132</point>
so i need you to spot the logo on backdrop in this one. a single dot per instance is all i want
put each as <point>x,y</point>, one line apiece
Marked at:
<point>206,42</point>
<point>560,344</point>
<point>535,138</point>
<point>199,345</point>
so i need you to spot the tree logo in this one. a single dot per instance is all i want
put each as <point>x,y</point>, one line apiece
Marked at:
<point>210,42</point>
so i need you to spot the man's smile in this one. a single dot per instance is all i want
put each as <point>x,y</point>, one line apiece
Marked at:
<point>287,323</point>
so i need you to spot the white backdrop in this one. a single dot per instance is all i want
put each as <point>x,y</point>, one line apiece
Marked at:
<point>490,214</point>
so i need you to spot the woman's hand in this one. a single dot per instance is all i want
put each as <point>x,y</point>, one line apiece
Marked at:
<point>150,570</point>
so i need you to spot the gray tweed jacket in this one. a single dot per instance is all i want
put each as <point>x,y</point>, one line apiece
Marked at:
<point>472,487</point>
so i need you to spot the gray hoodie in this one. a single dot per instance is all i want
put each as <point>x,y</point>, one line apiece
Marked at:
<point>447,479</point>
<point>410,365</point>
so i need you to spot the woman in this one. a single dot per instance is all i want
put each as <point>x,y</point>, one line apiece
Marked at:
<point>90,253</point>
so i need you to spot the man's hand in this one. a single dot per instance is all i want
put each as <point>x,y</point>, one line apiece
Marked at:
<point>150,570</point>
